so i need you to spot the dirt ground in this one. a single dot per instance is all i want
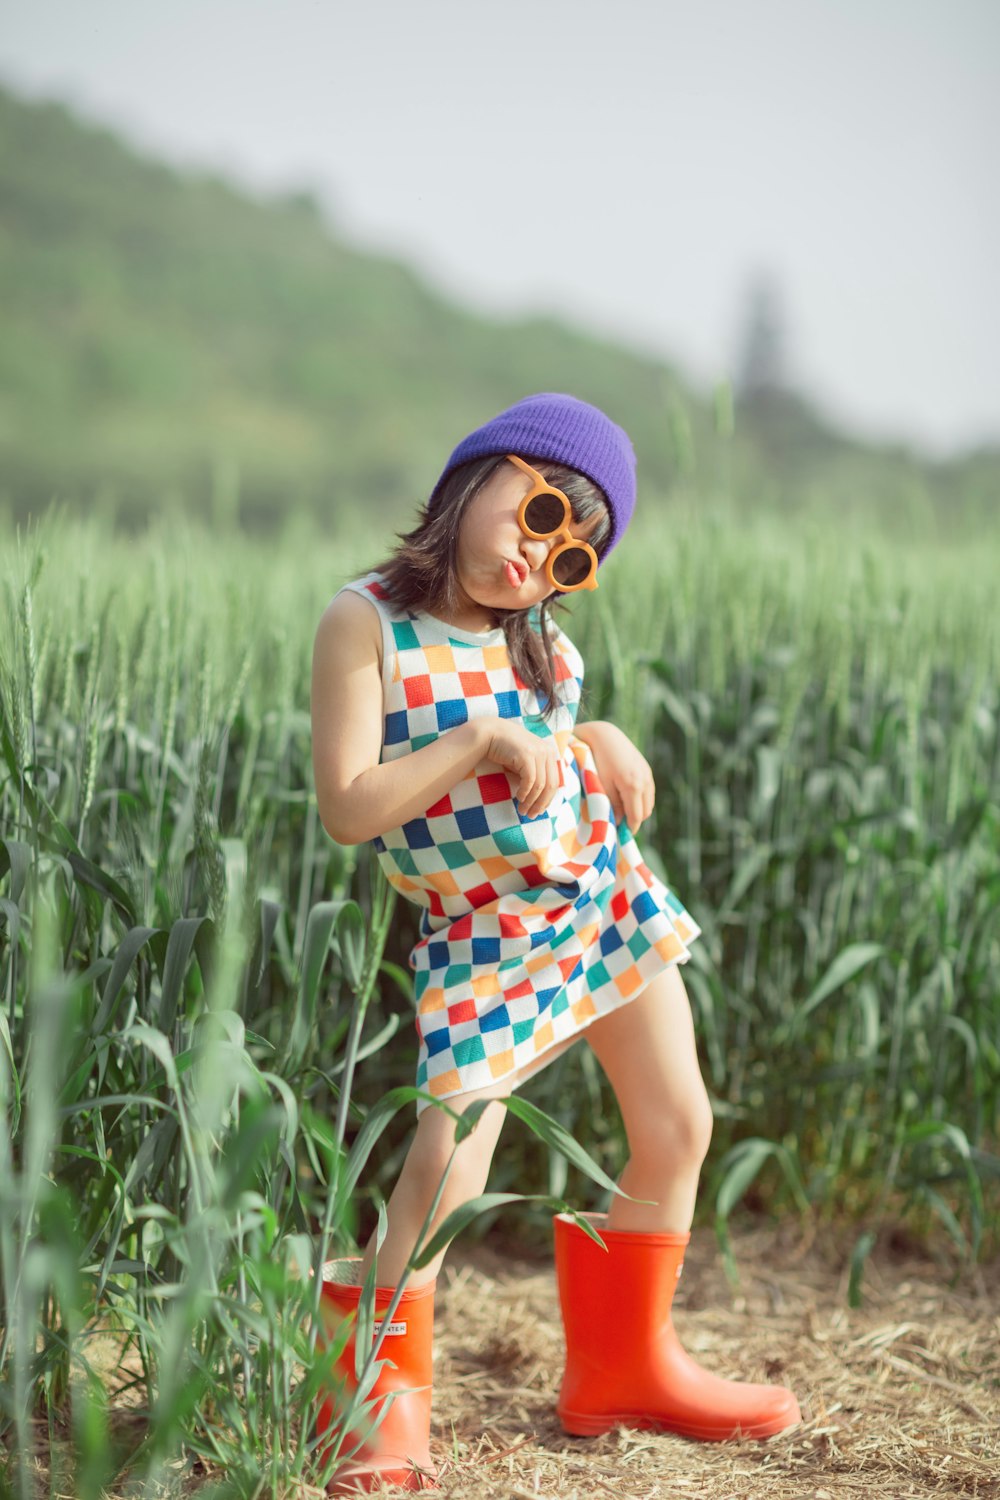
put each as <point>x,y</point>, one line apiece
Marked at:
<point>899,1398</point>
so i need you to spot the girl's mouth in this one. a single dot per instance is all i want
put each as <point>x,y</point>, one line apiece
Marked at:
<point>514,578</point>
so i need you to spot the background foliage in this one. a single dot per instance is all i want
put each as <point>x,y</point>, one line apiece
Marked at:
<point>823,728</point>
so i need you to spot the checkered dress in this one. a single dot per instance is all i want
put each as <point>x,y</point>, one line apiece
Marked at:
<point>531,928</point>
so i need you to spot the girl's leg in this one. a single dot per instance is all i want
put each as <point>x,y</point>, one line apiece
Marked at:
<point>624,1361</point>
<point>432,1145</point>
<point>647,1049</point>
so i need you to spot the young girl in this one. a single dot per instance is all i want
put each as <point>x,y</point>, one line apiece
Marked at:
<point>444,703</point>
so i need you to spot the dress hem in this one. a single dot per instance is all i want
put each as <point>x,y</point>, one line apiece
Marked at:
<point>562,1043</point>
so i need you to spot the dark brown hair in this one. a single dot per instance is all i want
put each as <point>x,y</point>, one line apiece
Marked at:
<point>420,574</point>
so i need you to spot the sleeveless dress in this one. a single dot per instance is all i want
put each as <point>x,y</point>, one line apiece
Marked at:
<point>530,928</point>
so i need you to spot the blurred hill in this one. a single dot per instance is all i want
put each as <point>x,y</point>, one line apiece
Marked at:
<point>171,340</point>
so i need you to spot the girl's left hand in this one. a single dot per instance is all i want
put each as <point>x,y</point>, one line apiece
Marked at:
<point>623,772</point>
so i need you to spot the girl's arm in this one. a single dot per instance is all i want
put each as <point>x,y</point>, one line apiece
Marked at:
<point>598,732</point>
<point>358,798</point>
<point>623,772</point>
<point>580,731</point>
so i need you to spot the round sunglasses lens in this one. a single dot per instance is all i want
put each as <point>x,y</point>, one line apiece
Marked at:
<point>544,514</point>
<point>571,566</point>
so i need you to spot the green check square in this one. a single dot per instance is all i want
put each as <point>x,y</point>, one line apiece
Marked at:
<point>405,636</point>
<point>469,1050</point>
<point>597,976</point>
<point>404,859</point>
<point>511,840</point>
<point>638,943</point>
<point>456,854</point>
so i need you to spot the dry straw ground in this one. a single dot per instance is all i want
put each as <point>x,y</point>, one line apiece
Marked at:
<point>900,1397</point>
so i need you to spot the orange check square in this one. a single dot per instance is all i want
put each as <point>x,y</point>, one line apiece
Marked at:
<point>418,691</point>
<point>474,684</point>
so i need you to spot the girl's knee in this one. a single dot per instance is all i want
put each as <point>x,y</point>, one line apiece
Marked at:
<point>702,1123</point>
<point>678,1129</point>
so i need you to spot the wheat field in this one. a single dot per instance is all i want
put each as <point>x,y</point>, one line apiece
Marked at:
<point>205,1010</point>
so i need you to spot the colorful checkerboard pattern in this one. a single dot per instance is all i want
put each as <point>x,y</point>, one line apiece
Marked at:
<point>531,928</point>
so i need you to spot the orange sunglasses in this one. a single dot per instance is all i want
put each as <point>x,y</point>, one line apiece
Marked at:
<point>545,512</point>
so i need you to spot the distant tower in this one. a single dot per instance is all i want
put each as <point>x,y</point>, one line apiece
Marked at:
<point>760,364</point>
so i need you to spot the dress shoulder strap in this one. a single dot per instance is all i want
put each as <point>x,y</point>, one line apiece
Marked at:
<point>372,587</point>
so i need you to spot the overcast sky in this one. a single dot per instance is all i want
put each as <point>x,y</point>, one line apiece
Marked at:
<point>628,163</point>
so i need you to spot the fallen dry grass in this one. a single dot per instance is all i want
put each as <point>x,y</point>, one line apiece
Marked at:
<point>900,1397</point>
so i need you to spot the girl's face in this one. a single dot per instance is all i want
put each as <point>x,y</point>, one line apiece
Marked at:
<point>498,566</point>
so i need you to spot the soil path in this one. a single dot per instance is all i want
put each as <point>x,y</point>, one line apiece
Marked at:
<point>900,1397</point>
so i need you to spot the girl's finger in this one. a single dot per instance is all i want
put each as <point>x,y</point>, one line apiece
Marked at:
<point>547,784</point>
<point>531,790</point>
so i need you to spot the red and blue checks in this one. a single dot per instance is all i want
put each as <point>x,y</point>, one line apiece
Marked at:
<point>531,927</point>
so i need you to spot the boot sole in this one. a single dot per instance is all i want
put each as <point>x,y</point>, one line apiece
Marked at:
<point>582,1425</point>
<point>363,1481</point>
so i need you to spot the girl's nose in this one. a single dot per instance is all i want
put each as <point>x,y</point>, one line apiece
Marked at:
<point>535,552</point>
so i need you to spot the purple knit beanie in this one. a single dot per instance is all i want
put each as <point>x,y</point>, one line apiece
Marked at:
<point>565,430</point>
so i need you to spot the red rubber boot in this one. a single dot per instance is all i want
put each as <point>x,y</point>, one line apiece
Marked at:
<point>398,1451</point>
<point>624,1361</point>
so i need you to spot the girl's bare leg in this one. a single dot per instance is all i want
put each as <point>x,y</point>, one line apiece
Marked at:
<point>420,1178</point>
<point>647,1049</point>
<point>425,1162</point>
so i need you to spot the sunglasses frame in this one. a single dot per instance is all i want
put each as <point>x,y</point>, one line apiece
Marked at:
<point>541,486</point>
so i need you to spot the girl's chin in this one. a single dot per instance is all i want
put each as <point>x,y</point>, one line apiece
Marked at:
<point>513,599</point>
<point>498,594</point>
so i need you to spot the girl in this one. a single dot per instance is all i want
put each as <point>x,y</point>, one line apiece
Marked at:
<point>444,701</point>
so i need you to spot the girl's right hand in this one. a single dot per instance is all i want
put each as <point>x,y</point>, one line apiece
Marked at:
<point>533,764</point>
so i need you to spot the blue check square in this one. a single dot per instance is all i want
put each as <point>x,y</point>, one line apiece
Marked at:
<point>472,822</point>
<point>451,712</point>
<point>437,1041</point>
<point>508,704</point>
<point>418,835</point>
<point>644,906</point>
<point>397,728</point>
<point>438,955</point>
<point>485,950</point>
